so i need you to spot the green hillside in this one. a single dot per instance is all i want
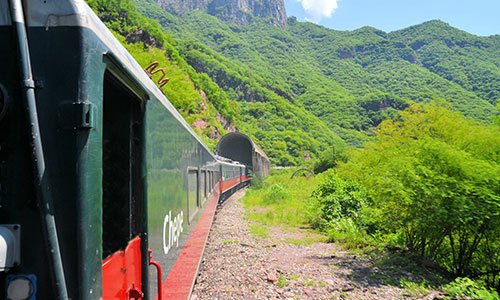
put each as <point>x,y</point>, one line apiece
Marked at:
<point>349,79</point>
<point>303,89</point>
<point>284,129</point>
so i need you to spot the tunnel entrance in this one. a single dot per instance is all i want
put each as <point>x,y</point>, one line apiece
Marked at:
<point>236,146</point>
<point>239,147</point>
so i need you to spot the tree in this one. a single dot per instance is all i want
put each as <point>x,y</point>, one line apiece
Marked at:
<point>435,176</point>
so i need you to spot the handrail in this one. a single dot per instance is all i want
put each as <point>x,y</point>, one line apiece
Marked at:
<point>158,272</point>
<point>44,195</point>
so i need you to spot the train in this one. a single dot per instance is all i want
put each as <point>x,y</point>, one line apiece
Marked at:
<point>105,191</point>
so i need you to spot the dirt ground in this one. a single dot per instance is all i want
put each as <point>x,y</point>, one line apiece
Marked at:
<point>237,265</point>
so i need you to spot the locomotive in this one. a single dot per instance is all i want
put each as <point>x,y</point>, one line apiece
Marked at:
<point>105,191</point>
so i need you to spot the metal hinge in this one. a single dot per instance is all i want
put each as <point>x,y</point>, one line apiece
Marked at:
<point>76,115</point>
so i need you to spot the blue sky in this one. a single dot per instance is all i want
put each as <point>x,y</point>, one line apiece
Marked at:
<point>480,17</point>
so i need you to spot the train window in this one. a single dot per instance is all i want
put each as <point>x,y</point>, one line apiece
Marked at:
<point>204,184</point>
<point>122,183</point>
<point>210,181</point>
<point>193,193</point>
<point>215,179</point>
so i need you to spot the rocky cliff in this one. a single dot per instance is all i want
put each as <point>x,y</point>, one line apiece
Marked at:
<point>235,11</point>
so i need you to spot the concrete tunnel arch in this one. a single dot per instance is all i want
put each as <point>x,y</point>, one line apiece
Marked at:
<point>239,147</point>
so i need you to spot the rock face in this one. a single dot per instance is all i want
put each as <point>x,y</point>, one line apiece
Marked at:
<point>182,6</point>
<point>236,11</point>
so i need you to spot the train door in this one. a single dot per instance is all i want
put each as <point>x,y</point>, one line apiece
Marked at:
<point>123,203</point>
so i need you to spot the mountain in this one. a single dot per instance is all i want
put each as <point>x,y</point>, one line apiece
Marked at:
<point>339,76</point>
<point>303,89</point>
<point>236,11</point>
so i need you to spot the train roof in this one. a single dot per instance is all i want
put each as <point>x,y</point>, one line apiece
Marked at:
<point>227,161</point>
<point>76,13</point>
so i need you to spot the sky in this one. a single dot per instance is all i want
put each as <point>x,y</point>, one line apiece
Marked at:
<point>480,17</point>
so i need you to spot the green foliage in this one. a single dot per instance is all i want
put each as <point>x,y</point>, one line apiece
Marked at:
<point>280,200</point>
<point>350,81</point>
<point>337,199</point>
<point>275,194</point>
<point>122,17</point>
<point>328,159</point>
<point>382,106</point>
<point>465,287</point>
<point>414,289</point>
<point>434,177</point>
<point>348,233</point>
<point>259,230</point>
<point>281,281</point>
<point>295,90</point>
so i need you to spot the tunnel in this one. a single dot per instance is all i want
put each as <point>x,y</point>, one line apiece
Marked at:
<point>239,147</point>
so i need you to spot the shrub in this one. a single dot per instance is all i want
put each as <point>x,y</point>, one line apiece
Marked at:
<point>338,198</point>
<point>434,176</point>
<point>275,194</point>
<point>466,287</point>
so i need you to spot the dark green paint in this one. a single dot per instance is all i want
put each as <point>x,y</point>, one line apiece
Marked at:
<point>71,63</point>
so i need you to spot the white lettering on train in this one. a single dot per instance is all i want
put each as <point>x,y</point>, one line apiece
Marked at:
<point>172,229</point>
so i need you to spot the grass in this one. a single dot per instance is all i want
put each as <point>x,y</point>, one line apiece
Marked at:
<point>282,203</point>
<point>259,231</point>
<point>293,277</point>
<point>465,288</point>
<point>309,282</point>
<point>307,240</point>
<point>414,289</point>
<point>280,200</point>
<point>229,242</point>
<point>281,281</point>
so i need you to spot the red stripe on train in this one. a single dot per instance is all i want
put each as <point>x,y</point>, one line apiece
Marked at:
<point>180,280</point>
<point>228,184</point>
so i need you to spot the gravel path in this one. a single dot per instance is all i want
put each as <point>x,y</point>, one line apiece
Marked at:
<point>237,265</point>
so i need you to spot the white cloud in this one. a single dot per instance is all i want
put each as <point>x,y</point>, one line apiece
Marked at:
<point>318,9</point>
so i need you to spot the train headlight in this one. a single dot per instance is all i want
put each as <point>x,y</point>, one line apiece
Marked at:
<point>21,287</point>
<point>10,246</point>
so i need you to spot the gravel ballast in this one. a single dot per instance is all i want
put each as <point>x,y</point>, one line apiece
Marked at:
<point>237,265</point>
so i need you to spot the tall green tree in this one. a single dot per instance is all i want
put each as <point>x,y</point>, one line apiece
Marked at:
<point>435,176</point>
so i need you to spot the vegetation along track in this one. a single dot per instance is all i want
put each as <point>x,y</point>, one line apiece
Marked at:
<point>241,265</point>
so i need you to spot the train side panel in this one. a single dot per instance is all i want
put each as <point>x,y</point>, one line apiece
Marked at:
<point>126,172</point>
<point>181,184</point>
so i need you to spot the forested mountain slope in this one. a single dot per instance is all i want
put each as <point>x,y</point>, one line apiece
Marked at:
<point>349,79</point>
<point>288,133</point>
<point>300,86</point>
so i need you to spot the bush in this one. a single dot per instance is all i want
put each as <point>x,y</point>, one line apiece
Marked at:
<point>434,177</point>
<point>275,194</point>
<point>328,159</point>
<point>346,231</point>
<point>465,287</point>
<point>337,198</point>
